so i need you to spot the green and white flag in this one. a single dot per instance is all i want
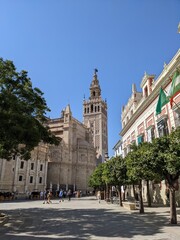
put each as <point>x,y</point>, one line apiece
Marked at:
<point>163,100</point>
<point>175,87</point>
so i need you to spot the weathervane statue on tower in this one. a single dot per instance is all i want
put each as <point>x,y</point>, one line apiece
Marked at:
<point>95,70</point>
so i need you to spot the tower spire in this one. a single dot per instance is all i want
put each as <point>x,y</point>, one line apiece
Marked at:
<point>95,90</point>
<point>95,118</point>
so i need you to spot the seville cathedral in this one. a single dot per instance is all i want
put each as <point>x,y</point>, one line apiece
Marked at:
<point>69,165</point>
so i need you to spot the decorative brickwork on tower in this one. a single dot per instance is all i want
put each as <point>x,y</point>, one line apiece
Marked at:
<point>95,117</point>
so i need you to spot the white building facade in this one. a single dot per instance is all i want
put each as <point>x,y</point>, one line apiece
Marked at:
<point>118,149</point>
<point>139,120</point>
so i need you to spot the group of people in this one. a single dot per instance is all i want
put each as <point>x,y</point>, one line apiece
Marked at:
<point>47,195</point>
<point>63,194</point>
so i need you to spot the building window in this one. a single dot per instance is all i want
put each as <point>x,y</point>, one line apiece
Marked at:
<point>41,167</point>
<point>85,110</point>
<point>22,165</point>
<point>32,166</point>
<point>177,118</point>
<point>20,178</point>
<point>128,148</point>
<point>31,179</point>
<point>125,152</point>
<point>40,180</point>
<point>162,127</point>
<point>140,139</point>
<point>150,134</point>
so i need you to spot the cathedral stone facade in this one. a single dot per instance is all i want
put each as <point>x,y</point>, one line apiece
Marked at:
<point>68,165</point>
<point>72,162</point>
<point>23,177</point>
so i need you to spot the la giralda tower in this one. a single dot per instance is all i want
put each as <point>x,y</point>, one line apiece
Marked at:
<point>95,117</point>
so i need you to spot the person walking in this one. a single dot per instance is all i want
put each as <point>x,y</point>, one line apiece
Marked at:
<point>69,193</point>
<point>99,196</point>
<point>61,196</point>
<point>49,197</point>
<point>45,196</point>
<point>41,195</point>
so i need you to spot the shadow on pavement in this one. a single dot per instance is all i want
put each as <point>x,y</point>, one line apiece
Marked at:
<point>47,224</point>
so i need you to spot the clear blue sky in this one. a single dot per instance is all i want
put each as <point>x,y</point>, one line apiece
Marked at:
<point>60,42</point>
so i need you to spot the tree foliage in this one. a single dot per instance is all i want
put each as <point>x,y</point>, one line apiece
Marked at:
<point>22,113</point>
<point>96,180</point>
<point>140,166</point>
<point>166,151</point>
<point>140,163</point>
<point>115,171</point>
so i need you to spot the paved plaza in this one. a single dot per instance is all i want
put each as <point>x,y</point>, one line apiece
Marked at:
<point>84,218</point>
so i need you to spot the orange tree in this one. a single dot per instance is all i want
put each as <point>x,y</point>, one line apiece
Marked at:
<point>114,174</point>
<point>140,166</point>
<point>95,180</point>
<point>166,158</point>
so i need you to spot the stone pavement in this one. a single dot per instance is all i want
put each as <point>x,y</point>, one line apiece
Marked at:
<point>82,219</point>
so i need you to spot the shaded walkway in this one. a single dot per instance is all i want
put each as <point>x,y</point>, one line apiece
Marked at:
<point>84,219</point>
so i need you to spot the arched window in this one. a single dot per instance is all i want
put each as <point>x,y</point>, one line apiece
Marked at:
<point>91,107</point>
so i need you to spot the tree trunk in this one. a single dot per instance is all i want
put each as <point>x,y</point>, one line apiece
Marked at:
<point>141,205</point>
<point>120,196</point>
<point>173,214</point>
<point>148,195</point>
<point>107,193</point>
<point>134,192</point>
<point>124,192</point>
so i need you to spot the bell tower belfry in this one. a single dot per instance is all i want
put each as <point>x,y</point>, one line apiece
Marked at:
<point>95,117</point>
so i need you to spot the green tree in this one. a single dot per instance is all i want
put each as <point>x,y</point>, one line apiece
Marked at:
<point>22,112</point>
<point>121,175</point>
<point>95,180</point>
<point>140,166</point>
<point>114,174</point>
<point>108,177</point>
<point>166,155</point>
